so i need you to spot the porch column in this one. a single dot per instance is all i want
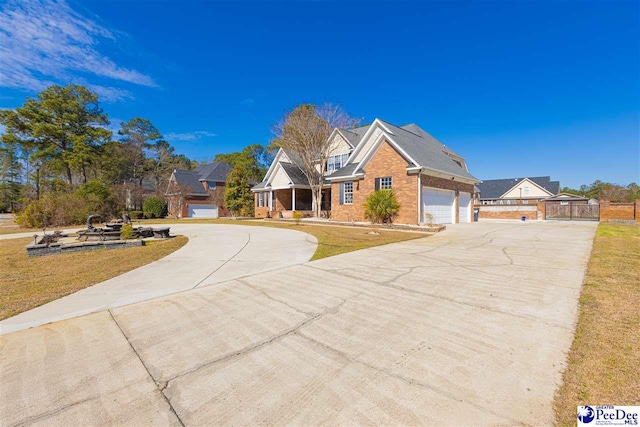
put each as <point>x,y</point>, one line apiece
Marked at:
<point>293,199</point>
<point>270,200</point>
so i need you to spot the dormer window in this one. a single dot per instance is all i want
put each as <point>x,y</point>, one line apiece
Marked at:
<point>336,162</point>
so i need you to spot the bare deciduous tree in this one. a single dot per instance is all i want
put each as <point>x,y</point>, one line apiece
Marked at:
<point>305,131</point>
<point>177,195</point>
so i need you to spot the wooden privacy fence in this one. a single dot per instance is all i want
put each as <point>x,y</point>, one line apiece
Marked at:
<point>572,211</point>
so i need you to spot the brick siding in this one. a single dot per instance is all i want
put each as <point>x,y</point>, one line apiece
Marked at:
<point>449,184</point>
<point>507,212</point>
<point>385,162</point>
<point>216,197</point>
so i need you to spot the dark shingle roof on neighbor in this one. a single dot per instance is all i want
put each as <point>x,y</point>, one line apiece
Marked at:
<point>215,172</point>
<point>494,188</point>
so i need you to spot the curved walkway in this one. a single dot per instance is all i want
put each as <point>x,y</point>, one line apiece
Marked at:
<point>214,254</point>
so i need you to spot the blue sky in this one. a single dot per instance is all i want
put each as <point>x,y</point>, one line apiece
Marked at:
<point>519,88</point>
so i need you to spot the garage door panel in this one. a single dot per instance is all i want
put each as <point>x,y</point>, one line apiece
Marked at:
<point>464,202</point>
<point>203,211</point>
<point>439,203</point>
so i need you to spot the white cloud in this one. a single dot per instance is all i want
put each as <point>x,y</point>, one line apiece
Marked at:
<point>43,42</point>
<point>188,136</point>
<point>247,101</point>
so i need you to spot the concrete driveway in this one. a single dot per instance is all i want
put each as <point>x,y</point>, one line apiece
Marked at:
<point>468,327</point>
<point>214,254</point>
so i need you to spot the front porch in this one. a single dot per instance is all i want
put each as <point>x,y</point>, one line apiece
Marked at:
<point>282,203</point>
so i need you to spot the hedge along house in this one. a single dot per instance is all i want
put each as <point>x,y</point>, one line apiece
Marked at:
<point>431,182</point>
<point>198,193</point>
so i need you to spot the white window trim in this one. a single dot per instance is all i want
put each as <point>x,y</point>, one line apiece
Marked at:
<point>344,193</point>
<point>384,185</point>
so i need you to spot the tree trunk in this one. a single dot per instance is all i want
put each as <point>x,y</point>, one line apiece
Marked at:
<point>69,177</point>
<point>316,193</point>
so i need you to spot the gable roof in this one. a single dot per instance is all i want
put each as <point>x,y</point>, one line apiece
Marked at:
<point>190,179</point>
<point>291,165</point>
<point>216,172</point>
<point>424,150</point>
<point>495,188</point>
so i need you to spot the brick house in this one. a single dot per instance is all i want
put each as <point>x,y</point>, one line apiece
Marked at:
<point>198,193</point>
<point>516,191</point>
<point>428,178</point>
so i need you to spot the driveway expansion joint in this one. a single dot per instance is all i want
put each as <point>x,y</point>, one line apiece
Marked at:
<point>226,262</point>
<point>159,385</point>
<point>405,379</point>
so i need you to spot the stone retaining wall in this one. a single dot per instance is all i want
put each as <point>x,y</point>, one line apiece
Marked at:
<point>58,248</point>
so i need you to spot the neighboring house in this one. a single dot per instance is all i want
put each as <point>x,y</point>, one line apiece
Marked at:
<point>198,193</point>
<point>426,176</point>
<point>517,191</point>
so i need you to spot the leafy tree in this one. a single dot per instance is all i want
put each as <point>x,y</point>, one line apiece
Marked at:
<point>62,126</point>
<point>154,207</point>
<point>381,206</point>
<point>601,190</point>
<point>305,131</point>
<point>10,171</point>
<point>246,170</point>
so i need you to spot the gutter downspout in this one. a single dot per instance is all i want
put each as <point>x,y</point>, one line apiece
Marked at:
<point>419,196</point>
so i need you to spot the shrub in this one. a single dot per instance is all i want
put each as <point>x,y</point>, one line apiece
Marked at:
<point>128,233</point>
<point>154,207</point>
<point>429,217</point>
<point>136,214</point>
<point>381,206</point>
<point>297,216</point>
<point>56,209</point>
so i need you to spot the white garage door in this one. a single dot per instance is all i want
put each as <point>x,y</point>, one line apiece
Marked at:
<point>203,211</point>
<point>464,202</point>
<point>438,203</point>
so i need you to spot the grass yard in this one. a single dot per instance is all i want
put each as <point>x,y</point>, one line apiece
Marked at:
<point>30,282</point>
<point>604,361</point>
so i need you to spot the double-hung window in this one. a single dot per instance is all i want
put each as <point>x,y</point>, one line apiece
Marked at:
<point>336,162</point>
<point>346,193</point>
<point>384,183</point>
<point>260,200</point>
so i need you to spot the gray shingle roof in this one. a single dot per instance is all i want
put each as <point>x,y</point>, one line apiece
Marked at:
<point>354,135</point>
<point>216,172</point>
<point>427,151</point>
<point>348,170</point>
<point>189,178</point>
<point>494,188</point>
<point>295,173</point>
